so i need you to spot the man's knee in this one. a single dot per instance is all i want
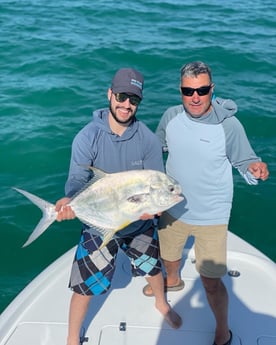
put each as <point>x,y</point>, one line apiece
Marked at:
<point>211,285</point>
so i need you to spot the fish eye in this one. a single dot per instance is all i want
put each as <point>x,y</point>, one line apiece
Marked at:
<point>171,188</point>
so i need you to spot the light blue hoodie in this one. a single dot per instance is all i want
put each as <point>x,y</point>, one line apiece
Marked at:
<point>201,153</point>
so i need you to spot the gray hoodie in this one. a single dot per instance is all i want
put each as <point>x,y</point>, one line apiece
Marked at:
<point>96,145</point>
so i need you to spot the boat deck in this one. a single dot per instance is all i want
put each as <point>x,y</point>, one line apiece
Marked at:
<point>124,316</point>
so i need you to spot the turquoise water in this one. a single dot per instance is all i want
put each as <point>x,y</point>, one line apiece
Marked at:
<point>57,60</point>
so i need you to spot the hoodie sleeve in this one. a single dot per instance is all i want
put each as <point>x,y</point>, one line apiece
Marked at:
<point>151,148</point>
<point>169,114</point>
<point>238,148</point>
<point>80,158</point>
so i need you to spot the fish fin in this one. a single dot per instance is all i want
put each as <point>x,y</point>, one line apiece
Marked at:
<point>97,230</point>
<point>107,238</point>
<point>107,234</point>
<point>48,217</point>
<point>126,223</point>
<point>138,198</point>
<point>97,173</point>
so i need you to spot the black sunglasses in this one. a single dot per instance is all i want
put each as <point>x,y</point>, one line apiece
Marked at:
<point>201,91</point>
<point>122,97</point>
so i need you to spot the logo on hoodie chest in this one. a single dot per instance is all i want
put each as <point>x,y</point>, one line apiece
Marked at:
<point>204,140</point>
<point>137,163</point>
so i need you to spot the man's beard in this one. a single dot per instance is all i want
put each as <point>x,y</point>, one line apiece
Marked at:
<point>123,122</point>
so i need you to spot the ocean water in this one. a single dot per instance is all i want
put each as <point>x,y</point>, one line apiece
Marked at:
<point>57,61</point>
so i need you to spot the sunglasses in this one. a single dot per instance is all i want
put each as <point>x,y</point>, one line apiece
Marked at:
<point>122,97</point>
<point>201,91</point>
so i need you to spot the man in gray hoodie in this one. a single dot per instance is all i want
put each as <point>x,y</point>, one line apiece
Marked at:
<point>204,140</point>
<point>115,140</point>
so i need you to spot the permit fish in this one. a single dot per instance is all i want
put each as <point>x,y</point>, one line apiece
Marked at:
<point>110,202</point>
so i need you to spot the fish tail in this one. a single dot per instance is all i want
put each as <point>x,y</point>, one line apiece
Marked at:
<point>48,217</point>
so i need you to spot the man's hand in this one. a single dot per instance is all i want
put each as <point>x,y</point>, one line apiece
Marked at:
<point>64,212</point>
<point>259,170</point>
<point>147,216</point>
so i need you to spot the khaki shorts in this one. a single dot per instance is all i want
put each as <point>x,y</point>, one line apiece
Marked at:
<point>209,245</point>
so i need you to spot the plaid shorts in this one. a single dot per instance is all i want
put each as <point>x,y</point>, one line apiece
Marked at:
<point>93,269</point>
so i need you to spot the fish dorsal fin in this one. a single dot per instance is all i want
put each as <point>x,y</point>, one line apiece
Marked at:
<point>97,173</point>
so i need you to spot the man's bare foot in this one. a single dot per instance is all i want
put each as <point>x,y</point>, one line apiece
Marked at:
<point>172,318</point>
<point>228,342</point>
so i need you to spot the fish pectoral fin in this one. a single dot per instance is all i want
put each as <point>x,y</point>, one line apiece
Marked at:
<point>138,198</point>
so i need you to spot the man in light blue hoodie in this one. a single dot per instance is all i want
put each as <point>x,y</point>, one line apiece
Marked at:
<point>204,140</point>
<point>115,140</point>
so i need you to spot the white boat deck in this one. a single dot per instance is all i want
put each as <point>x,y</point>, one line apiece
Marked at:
<point>124,316</point>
